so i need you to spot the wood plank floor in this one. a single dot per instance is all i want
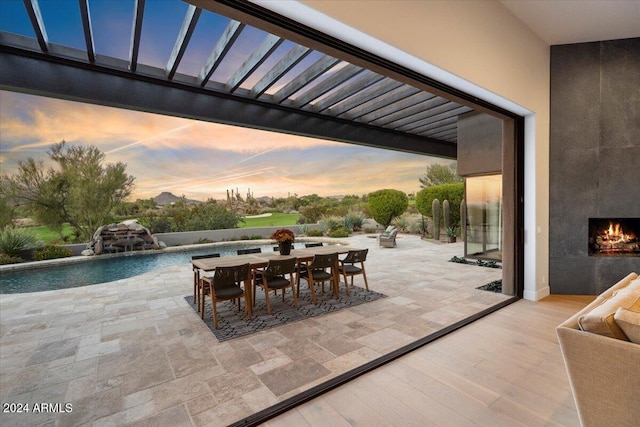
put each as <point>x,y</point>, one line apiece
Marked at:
<point>503,370</point>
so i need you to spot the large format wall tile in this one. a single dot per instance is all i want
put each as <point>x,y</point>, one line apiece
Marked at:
<point>594,158</point>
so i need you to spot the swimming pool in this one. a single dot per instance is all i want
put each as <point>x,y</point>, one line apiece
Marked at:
<point>106,268</point>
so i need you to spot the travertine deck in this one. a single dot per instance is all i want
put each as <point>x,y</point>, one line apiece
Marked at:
<point>132,351</point>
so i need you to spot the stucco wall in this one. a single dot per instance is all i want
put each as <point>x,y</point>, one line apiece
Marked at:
<point>475,46</point>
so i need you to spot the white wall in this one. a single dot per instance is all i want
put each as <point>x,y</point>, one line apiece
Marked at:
<point>476,46</point>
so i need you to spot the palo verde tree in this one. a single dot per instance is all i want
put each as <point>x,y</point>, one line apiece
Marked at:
<point>80,188</point>
<point>438,174</point>
<point>386,205</point>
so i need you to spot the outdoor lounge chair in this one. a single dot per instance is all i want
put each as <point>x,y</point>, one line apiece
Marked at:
<point>226,284</point>
<point>274,277</point>
<point>348,267</point>
<point>388,237</point>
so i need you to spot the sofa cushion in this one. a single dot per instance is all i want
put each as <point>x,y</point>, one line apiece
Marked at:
<point>629,321</point>
<point>601,320</point>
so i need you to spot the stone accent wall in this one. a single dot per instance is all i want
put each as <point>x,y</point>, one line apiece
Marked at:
<point>594,158</point>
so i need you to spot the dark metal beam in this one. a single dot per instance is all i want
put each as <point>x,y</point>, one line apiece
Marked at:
<point>180,46</point>
<point>33,10</point>
<point>41,74</point>
<point>86,28</point>
<point>136,31</point>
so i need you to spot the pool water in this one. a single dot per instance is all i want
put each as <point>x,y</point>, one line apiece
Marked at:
<point>105,268</point>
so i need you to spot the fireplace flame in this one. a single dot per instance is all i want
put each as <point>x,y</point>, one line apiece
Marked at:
<point>615,234</point>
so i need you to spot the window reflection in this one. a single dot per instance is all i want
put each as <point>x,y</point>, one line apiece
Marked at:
<point>484,217</point>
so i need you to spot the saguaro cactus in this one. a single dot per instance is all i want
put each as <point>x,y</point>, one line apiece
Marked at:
<point>435,211</point>
<point>447,214</point>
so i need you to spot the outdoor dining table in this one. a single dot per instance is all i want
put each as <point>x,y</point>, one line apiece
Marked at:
<point>261,260</point>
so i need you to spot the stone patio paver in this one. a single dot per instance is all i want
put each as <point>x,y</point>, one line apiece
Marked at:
<point>132,352</point>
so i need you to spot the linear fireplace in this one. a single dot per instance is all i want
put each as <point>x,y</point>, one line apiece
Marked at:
<point>614,237</point>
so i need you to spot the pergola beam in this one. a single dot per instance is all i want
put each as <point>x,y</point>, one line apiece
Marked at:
<point>220,50</point>
<point>400,113</point>
<point>59,78</point>
<point>290,60</point>
<point>417,127</point>
<point>186,31</point>
<point>380,102</point>
<point>266,48</point>
<point>370,78</point>
<point>424,114</point>
<point>328,84</point>
<point>371,92</point>
<point>85,15</point>
<point>306,77</point>
<point>35,16</point>
<point>136,31</point>
<point>402,108</point>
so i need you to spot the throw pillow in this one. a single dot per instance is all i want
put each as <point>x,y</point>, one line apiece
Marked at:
<point>629,322</point>
<point>601,321</point>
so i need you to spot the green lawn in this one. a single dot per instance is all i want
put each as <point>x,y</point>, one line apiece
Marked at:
<point>275,220</point>
<point>47,235</point>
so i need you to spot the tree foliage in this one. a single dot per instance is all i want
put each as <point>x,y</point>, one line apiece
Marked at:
<point>385,205</point>
<point>451,192</point>
<point>438,174</point>
<point>81,189</point>
<point>210,216</point>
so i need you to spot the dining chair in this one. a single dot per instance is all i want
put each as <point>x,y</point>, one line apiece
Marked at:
<point>196,277</point>
<point>226,284</point>
<point>249,251</point>
<point>274,277</point>
<point>316,272</point>
<point>348,267</point>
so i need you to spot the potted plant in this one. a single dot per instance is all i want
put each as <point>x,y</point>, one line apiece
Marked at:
<point>285,238</point>
<point>451,234</point>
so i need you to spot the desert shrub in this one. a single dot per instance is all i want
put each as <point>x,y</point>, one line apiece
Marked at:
<point>385,205</point>
<point>332,222</point>
<point>304,228</point>
<point>14,240</point>
<point>8,259</point>
<point>451,192</point>
<point>313,213</point>
<point>402,222</point>
<point>354,221</point>
<point>314,232</point>
<point>370,230</point>
<point>339,232</point>
<point>52,252</point>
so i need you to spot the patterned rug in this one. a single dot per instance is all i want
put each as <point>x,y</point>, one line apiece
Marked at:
<point>233,323</point>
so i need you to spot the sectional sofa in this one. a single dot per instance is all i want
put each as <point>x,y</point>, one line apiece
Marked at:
<point>601,350</point>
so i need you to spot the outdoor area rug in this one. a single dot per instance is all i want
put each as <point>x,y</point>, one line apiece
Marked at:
<point>233,323</point>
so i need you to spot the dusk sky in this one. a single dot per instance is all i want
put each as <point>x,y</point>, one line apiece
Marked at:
<point>186,157</point>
